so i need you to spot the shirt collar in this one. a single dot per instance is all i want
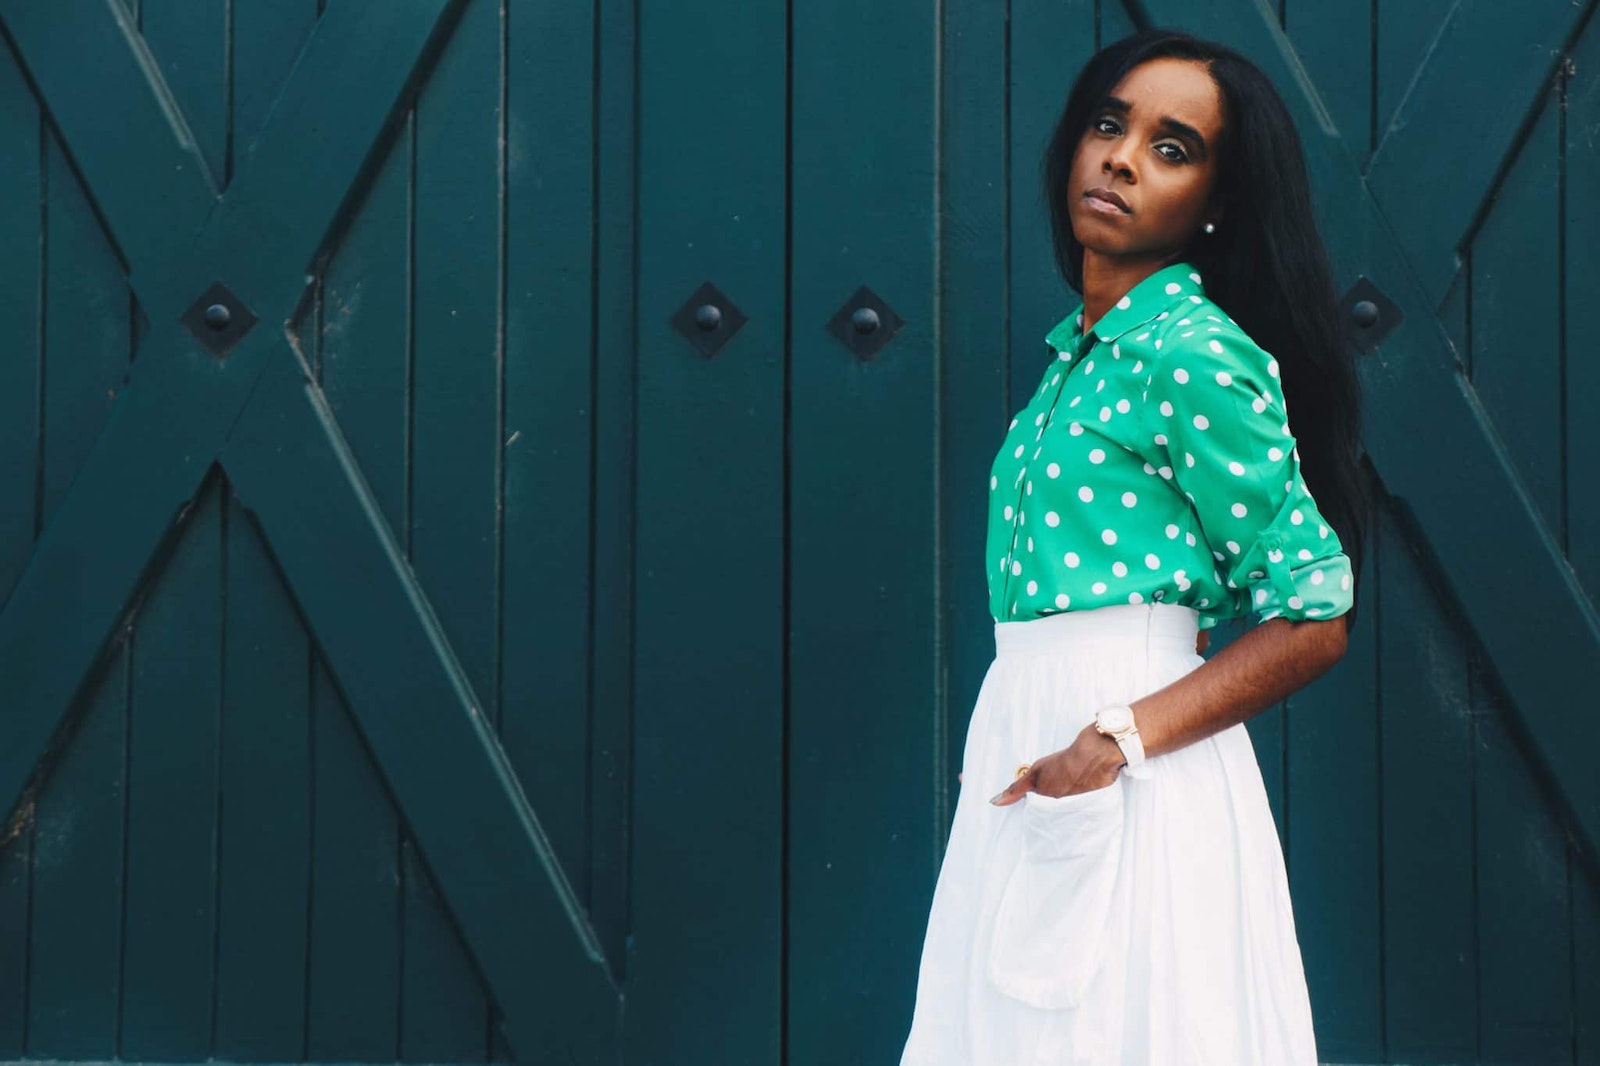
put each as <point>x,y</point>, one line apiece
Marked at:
<point>1154,294</point>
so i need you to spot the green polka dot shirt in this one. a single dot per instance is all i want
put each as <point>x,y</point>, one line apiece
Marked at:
<point>1155,463</point>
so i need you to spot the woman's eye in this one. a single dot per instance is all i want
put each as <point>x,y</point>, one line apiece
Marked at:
<point>1101,125</point>
<point>1178,155</point>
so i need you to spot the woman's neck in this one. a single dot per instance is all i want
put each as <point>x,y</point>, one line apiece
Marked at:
<point>1107,278</point>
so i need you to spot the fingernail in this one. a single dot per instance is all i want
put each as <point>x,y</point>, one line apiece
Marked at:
<point>996,798</point>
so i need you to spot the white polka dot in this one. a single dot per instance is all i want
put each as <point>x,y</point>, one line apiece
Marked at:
<point>1194,299</point>
<point>1261,596</point>
<point>1029,489</point>
<point>1108,535</point>
<point>1215,346</point>
<point>1134,597</point>
<point>1098,587</point>
<point>1344,582</point>
<point>1188,457</point>
<point>1258,405</point>
<point>1116,351</point>
<point>1071,559</point>
<point>1105,414</point>
<point>994,482</point>
<point>1086,494</point>
<point>1233,546</point>
<point>1148,469</point>
<point>1161,439</point>
<point>1123,406</point>
<point>1304,553</point>
<point>1053,470</point>
<point>1018,453</point>
<point>1038,419</point>
<point>1189,539</point>
<point>1316,577</point>
<point>1296,517</point>
<point>1192,277</point>
<point>1181,376</point>
<point>1030,544</point>
<point>1272,367</point>
<point>1296,602</point>
<point>1076,429</point>
<point>1152,561</point>
<point>1172,531</point>
<point>1201,422</point>
<point>1224,378</point>
<point>1129,499</point>
<point>1173,288</point>
<point>1008,512</point>
<point>1016,567</point>
<point>1088,368</point>
<point>1141,336</point>
<point>1236,468</point>
<point>1166,408</point>
<point>1033,588</point>
<point>1165,472</point>
<point>1313,611</point>
<point>1138,366</point>
<point>1274,454</point>
<point>1124,303</point>
<point>1239,510</point>
<point>1158,344</point>
<point>1097,455</point>
<point>1052,519</point>
<point>1062,599</point>
<point>1119,568</point>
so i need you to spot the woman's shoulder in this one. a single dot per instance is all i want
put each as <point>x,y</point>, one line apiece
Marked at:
<point>1201,338</point>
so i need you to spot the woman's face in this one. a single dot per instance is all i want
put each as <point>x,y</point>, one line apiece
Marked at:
<point>1152,145</point>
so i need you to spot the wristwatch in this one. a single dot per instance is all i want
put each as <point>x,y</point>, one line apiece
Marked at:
<point>1117,723</point>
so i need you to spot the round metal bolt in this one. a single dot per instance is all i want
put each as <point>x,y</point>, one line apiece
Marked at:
<point>1364,313</point>
<point>864,319</point>
<point>708,317</point>
<point>218,316</point>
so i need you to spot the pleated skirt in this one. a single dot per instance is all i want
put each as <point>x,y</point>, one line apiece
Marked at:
<point>1147,922</point>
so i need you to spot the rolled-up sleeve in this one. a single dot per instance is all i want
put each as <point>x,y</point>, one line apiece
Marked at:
<point>1215,409</point>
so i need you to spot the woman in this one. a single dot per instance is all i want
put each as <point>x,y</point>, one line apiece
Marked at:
<point>1123,899</point>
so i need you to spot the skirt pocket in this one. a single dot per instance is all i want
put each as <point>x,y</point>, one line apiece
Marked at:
<point>1051,925</point>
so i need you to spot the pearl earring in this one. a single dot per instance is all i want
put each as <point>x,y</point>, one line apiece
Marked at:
<point>1211,227</point>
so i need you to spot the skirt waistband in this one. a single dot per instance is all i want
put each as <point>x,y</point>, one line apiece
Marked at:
<point>1124,627</point>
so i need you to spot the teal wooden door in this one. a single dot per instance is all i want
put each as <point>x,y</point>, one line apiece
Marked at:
<point>296,712</point>
<point>532,608</point>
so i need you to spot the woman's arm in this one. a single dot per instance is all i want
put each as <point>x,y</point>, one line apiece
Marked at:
<point>1269,662</point>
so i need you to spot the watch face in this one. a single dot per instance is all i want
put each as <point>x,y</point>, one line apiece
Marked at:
<point>1115,718</point>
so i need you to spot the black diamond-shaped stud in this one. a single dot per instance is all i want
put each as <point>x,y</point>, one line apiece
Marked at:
<point>218,320</point>
<point>865,323</point>
<point>1367,315</point>
<point>708,319</point>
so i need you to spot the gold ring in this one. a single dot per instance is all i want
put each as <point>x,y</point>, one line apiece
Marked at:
<point>1022,770</point>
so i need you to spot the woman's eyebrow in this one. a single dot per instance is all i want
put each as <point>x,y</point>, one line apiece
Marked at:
<point>1167,122</point>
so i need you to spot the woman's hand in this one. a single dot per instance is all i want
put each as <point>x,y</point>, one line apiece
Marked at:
<point>1092,761</point>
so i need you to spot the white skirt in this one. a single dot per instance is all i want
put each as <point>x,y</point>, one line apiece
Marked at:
<point>1145,923</point>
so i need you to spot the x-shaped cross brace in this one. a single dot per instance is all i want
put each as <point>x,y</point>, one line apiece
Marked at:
<point>257,412</point>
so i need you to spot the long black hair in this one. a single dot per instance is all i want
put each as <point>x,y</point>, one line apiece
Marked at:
<point>1265,264</point>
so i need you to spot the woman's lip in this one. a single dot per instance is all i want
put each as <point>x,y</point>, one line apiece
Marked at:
<point>1106,200</point>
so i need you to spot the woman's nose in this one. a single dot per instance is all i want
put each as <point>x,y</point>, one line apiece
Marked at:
<point>1117,161</point>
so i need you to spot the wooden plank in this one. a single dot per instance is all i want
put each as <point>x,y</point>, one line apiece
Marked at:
<point>863,673</point>
<point>1050,41</point>
<point>1334,41</point>
<point>266,39</point>
<point>1335,825</point>
<point>74,948</point>
<point>548,446</point>
<point>707,875</point>
<point>1406,35</point>
<point>1516,315</point>
<point>150,181</point>
<point>264,837</point>
<point>1525,962</point>
<point>612,578</point>
<point>422,721</point>
<point>1430,960</point>
<point>1449,102</point>
<point>173,790</point>
<point>1581,274</point>
<point>353,980</point>
<point>190,46</point>
<point>21,223</point>
<point>1586,958</point>
<point>456,444</point>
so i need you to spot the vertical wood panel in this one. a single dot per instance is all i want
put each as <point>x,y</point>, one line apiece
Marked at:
<point>548,445</point>
<point>1581,271</point>
<point>864,592</point>
<point>21,220</point>
<point>75,950</point>
<point>1334,824</point>
<point>267,36</point>
<point>265,836</point>
<point>1334,42</point>
<point>190,44</point>
<point>707,880</point>
<point>353,995</point>
<point>1429,920</point>
<point>1516,324</point>
<point>457,445</point>
<point>168,964</point>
